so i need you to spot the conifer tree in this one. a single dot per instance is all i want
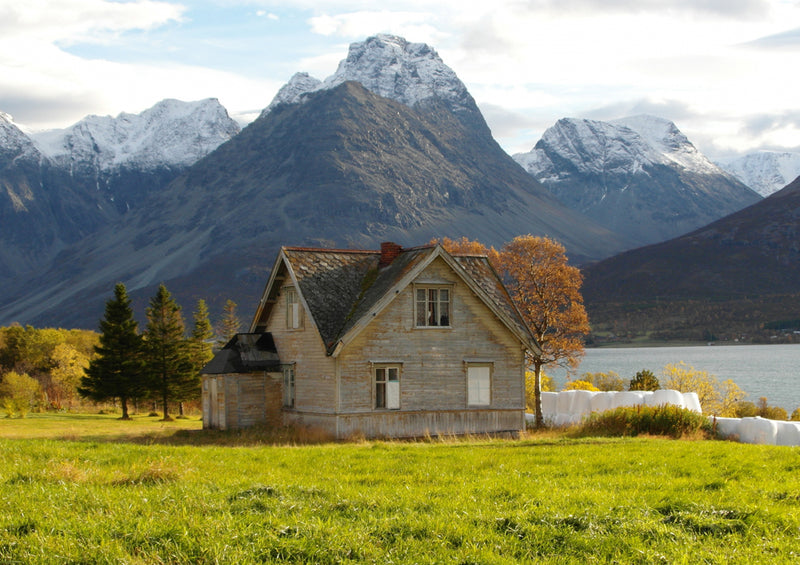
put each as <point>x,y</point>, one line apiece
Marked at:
<point>167,352</point>
<point>229,324</point>
<point>117,370</point>
<point>200,345</point>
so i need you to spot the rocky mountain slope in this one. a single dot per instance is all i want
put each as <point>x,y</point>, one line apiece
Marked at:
<point>128,156</point>
<point>752,252</point>
<point>639,176</point>
<point>342,167</point>
<point>765,172</point>
<point>59,186</point>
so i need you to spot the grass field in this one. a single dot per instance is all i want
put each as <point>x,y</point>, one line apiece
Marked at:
<point>92,489</point>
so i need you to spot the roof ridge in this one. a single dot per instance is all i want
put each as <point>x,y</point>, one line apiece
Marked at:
<point>330,250</point>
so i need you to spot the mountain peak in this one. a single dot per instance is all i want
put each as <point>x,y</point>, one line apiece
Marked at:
<point>171,133</point>
<point>639,176</point>
<point>665,137</point>
<point>391,67</point>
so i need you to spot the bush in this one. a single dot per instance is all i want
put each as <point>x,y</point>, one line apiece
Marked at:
<point>770,412</point>
<point>546,386</point>
<point>796,415</point>
<point>580,385</point>
<point>644,380</point>
<point>745,409</point>
<point>716,398</point>
<point>19,393</point>
<point>664,420</point>
<point>610,381</point>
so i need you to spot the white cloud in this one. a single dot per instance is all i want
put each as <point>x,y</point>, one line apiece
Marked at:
<point>414,26</point>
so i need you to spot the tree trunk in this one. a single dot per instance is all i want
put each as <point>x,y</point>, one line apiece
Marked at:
<point>165,400</point>
<point>124,403</point>
<point>537,393</point>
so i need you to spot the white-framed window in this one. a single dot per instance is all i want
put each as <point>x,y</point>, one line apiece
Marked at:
<point>479,384</point>
<point>288,386</point>
<point>433,306</point>
<point>294,310</point>
<point>387,386</point>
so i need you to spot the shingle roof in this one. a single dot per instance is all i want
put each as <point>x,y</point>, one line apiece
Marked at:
<point>245,353</point>
<point>341,287</point>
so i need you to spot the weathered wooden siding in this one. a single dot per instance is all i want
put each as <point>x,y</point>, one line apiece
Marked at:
<point>434,375</point>
<point>315,383</point>
<point>402,424</point>
<point>241,400</point>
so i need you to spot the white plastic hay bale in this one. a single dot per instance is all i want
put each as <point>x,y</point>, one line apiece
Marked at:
<point>549,404</point>
<point>788,433</point>
<point>601,401</point>
<point>582,403</point>
<point>727,427</point>
<point>565,399</point>
<point>662,397</point>
<point>758,430</point>
<point>692,402</point>
<point>626,398</point>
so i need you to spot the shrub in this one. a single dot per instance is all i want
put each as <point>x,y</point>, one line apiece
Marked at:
<point>716,398</point>
<point>644,380</point>
<point>796,415</point>
<point>19,392</point>
<point>745,409</point>
<point>610,381</point>
<point>546,384</point>
<point>664,420</point>
<point>770,412</point>
<point>580,385</point>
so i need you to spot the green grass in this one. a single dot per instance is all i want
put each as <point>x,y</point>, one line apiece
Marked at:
<point>188,496</point>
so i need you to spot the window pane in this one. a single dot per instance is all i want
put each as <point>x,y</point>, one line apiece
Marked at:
<point>380,375</point>
<point>421,313</point>
<point>478,386</point>
<point>380,395</point>
<point>393,373</point>
<point>393,395</point>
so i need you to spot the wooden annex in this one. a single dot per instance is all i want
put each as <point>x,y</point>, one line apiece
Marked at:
<point>390,343</point>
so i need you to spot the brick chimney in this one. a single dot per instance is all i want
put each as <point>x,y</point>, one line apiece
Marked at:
<point>389,250</point>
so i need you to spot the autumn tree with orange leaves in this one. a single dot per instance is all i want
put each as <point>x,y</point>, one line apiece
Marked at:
<point>546,291</point>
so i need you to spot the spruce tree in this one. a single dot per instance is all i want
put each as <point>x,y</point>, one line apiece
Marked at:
<point>229,324</point>
<point>117,370</point>
<point>169,366</point>
<point>200,345</point>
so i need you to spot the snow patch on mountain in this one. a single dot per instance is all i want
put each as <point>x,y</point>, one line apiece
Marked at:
<point>664,136</point>
<point>591,147</point>
<point>627,145</point>
<point>389,66</point>
<point>170,134</point>
<point>13,141</point>
<point>765,172</point>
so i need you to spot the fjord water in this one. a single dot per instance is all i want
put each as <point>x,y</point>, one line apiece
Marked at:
<point>759,370</point>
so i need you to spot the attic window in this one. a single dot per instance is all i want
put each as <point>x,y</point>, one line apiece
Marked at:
<point>294,310</point>
<point>432,307</point>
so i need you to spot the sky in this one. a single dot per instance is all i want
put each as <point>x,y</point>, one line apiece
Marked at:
<point>725,71</point>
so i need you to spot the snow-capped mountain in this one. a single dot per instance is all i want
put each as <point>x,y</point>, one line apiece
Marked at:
<point>170,134</point>
<point>13,141</point>
<point>132,155</point>
<point>638,176</point>
<point>391,67</point>
<point>345,168</point>
<point>765,171</point>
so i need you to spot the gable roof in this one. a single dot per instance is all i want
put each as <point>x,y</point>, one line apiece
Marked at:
<point>245,353</point>
<point>343,290</point>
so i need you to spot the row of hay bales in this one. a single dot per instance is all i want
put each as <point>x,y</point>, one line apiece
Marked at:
<point>571,406</point>
<point>759,430</point>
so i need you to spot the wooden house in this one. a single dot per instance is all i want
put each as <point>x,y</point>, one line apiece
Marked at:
<point>390,343</point>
